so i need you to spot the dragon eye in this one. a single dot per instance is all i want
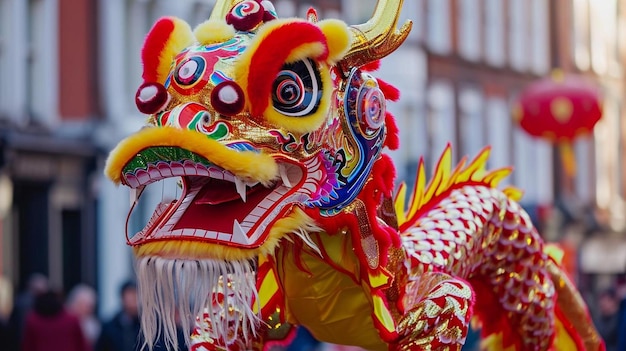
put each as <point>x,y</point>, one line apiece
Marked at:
<point>189,71</point>
<point>297,89</point>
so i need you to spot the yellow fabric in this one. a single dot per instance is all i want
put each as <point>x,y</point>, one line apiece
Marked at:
<point>562,340</point>
<point>267,289</point>
<point>334,305</point>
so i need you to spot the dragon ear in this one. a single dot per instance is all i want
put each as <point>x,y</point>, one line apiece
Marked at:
<point>168,37</point>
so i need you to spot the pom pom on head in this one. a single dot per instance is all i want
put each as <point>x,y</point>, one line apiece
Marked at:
<point>227,98</point>
<point>247,15</point>
<point>151,98</point>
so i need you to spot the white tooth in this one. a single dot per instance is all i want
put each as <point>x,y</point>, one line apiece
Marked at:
<point>241,188</point>
<point>239,236</point>
<point>135,193</point>
<point>252,183</point>
<point>284,177</point>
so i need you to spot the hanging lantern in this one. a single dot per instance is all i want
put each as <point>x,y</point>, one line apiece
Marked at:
<point>559,109</point>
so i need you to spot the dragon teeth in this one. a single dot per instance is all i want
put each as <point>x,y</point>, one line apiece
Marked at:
<point>284,177</point>
<point>135,193</point>
<point>239,236</point>
<point>241,188</point>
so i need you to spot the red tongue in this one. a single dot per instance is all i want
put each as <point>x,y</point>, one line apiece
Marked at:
<point>217,191</point>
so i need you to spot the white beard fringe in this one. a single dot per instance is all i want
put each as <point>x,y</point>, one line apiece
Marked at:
<point>174,292</point>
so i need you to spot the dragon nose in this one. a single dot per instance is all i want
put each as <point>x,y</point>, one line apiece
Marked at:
<point>151,98</point>
<point>227,98</point>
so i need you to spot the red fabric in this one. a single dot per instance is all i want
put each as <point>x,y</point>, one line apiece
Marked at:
<point>272,53</point>
<point>392,140</point>
<point>391,93</point>
<point>372,66</point>
<point>56,333</point>
<point>492,316</point>
<point>155,42</point>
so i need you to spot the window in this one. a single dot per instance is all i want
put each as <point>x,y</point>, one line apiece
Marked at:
<point>607,154</point>
<point>581,34</point>
<point>469,29</point>
<point>540,36</point>
<point>441,122</point>
<point>140,17</point>
<point>494,32</point>
<point>438,26</point>
<point>471,122</point>
<point>358,11</point>
<point>604,36</point>
<point>525,174</point>
<point>517,34</point>
<point>285,8</point>
<point>583,182</point>
<point>41,64</point>
<point>498,133</point>
<point>5,62</point>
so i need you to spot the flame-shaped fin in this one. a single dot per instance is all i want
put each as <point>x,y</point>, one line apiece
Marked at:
<point>446,179</point>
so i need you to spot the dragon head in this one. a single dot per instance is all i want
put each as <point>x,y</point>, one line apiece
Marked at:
<point>261,119</point>
<point>258,117</point>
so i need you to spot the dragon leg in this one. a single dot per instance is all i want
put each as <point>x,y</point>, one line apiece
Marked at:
<point>437,320</point>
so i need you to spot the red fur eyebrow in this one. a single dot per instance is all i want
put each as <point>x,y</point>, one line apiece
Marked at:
<point>272,53</point>
<point>155,43</point>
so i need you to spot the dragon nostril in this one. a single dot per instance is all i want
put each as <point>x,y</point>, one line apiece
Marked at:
<point>227,98</point>
<point>151,98</point>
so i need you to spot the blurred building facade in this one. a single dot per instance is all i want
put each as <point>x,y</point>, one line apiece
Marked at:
<point>48,111</point>
<point>69,72</point>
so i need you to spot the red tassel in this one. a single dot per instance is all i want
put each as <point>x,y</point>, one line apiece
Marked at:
<point>392,140</point>
<point>391,93</point>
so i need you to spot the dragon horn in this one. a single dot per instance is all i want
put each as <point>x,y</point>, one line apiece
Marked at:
<point>377,37</point>
<point>221,9</point>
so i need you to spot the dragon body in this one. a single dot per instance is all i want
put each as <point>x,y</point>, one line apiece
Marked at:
<point>275,129</point>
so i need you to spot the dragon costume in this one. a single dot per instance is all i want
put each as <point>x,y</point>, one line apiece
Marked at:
<point>287,216</point>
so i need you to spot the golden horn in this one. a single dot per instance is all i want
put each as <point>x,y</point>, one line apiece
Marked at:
<point>377,37</point>
<point>221,9</point>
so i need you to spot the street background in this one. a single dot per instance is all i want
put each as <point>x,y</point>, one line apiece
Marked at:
<point>69,71</point>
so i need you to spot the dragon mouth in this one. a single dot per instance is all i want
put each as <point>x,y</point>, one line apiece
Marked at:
<point>215,206</point>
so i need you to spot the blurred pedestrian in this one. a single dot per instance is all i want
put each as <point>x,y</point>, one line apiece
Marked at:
<point>49,327</point>
<point>37,284</point>
<point>621,314</point>
<point>121,333</point>
<point>6,305</point>
<point>81,302</point>
<point>607,319</point>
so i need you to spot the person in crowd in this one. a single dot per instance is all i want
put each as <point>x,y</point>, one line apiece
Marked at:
<point>621,313</point>
<point>49,327</point>
<point>37,284</point>
<point>606,320</point>
<point>6,305</point>
<point>81,302</point>
<point>121,333</point>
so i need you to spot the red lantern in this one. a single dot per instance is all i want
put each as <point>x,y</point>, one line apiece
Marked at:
<point>559,109</point>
